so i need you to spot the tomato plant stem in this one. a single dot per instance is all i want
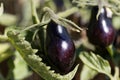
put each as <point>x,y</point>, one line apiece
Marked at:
<point>34,13</point>
<point>68,12</point>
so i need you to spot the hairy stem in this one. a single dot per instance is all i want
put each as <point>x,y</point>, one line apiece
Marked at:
<point>68,12</point>
<point>34,13</point>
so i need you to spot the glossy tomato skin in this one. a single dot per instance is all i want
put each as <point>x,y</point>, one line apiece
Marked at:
<point>101,32</point>
<point>60,48</point>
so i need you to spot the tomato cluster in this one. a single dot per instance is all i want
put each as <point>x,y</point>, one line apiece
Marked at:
<point>60,47</point>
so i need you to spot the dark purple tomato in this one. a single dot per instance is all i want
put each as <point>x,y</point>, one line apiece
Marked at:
<point>59,46</point>
<point>101,32</point>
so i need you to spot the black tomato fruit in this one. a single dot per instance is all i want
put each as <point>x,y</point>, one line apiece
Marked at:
<point>100,31</point>
<point>60,47</point>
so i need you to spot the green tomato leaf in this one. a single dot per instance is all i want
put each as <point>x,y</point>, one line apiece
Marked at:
<point>34,61</point>
<point>116,22</point>
<point>87,73</point>
<point>110,50</point>
<point>20,67</point>
<point>6,51</point>
<point>4,47</point>
<point>96,62</point>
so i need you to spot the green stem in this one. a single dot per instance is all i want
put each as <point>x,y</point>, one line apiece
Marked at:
<point>51,13</point>
<point>60,20</point>
<point>78,29</point>
<point>68,12</point>
<point>110,50</point>
<point>35,25</point>
<point>116,75</point>
<point>34,13</point>
<point>111,77</point>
